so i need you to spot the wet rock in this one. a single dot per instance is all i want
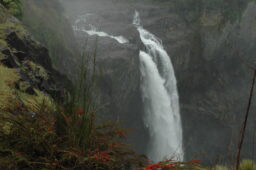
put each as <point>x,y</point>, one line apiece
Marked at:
<point>25,87</point>
<point>16,42</point>
<point>20,55</point>
<point>9,59</point>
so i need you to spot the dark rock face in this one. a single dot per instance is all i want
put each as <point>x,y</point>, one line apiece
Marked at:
<point>8,60</point>
<point>34,66</point>
<point>213,81</point>
<point>27,47</point>
<point>46,22</point>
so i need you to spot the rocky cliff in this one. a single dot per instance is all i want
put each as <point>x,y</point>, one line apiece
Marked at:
<point>46,21</point>
<point>29,63</point>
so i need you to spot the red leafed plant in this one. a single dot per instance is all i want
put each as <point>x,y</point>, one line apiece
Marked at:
<point>80,112</point>
<point>62,138</point>
<point>171,165</point>
<point>103,156</point>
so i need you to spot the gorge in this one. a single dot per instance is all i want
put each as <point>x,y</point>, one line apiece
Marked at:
<point>210,76</point>
<point>119,84</point>
<point>159,91</point>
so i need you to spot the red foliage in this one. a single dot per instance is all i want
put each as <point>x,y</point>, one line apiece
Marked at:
<point>80,112</point>
<point>120,133</point>
<point>49,128</point>
<point>160,165</point>
<point>100,156</point>
<point>170,165</point>
<point>152,166</point>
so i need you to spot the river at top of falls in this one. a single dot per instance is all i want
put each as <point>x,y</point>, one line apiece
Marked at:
<point>92,30</point>
<point>160,97</point>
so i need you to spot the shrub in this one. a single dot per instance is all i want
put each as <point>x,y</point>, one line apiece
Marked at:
<point>38,134</point>
<point>52,136</point>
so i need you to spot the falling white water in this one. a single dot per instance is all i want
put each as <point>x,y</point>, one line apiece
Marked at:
<point>93,30</point>
<point>161,100</point>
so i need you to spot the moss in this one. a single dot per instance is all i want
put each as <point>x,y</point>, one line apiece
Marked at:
<point>11,26</point>
<point>3,43</point>
<point>6,127</point>
<point>38,69</point>
<point>9,23</point>
<point>219,167</point>
<point>7,81</point>
<point>9,96</point>
<point>31,100</point>
<point>247,165</point>
<point>244,165</point>
<point>23,85</point>
<point>9,77</point>
<point>2,56</point>
<point>13,6</point>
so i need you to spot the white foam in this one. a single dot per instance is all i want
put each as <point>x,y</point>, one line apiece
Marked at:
<point>93,30</point>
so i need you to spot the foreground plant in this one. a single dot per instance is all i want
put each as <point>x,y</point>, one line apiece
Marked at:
<point>56,137</point>
<point>172,165</point>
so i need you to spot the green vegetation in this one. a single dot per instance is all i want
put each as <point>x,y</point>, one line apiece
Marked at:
<point>244,165</point>
<point>53,137</point>
<point>13,26</point>
<point>6,25</point>
<point>247,165</point>
<point>219,167</point>
<point>8,78</point>
<point>38,133</point>
<point>13,6</point>
<point>9,94</point>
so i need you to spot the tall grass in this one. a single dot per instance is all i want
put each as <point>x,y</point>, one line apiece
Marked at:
<point>49,135</point>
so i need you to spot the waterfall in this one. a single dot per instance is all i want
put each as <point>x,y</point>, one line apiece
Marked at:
<point>80,23</point>
<point>160,97</point>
